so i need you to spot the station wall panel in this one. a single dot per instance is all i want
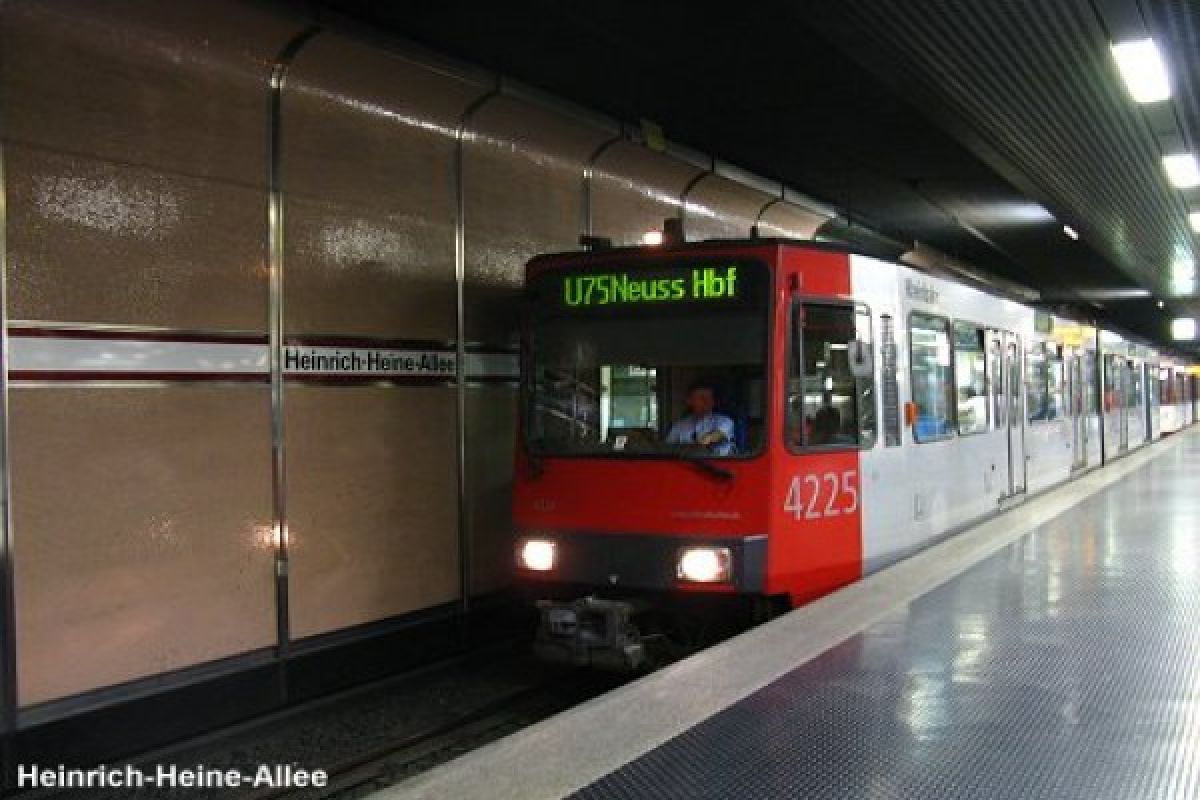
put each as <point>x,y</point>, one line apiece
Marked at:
<point>371,474</point>
<point>136,164</point>
<point>789,221</point>
<point>718,208</point>
<point>368,171</point>
<point>523,178</point>
<point>491,412</point>
<point>142,532</point>
<point>634,189</point>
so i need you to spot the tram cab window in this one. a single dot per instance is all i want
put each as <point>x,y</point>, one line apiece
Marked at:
<point>612,353</point>
<point>970,378</point>
<point>932,379</point>
<point>831,386</point>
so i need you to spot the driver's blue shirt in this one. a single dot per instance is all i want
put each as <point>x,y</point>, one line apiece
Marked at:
<point>691,428</point>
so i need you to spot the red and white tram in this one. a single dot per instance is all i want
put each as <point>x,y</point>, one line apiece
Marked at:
<point>863,410</point>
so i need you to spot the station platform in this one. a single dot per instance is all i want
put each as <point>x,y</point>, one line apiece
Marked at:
<point>1051,652</point>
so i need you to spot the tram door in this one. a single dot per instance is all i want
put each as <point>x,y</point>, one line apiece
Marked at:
<point>1079,428</point>
<point>1124,395</point>
<point>1016,413</point>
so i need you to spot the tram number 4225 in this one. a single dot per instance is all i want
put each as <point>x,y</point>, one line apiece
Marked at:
<point>829,494</point>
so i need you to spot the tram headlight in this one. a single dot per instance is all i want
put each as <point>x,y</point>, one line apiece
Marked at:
<point>705,564</point>
<point>537,555</point>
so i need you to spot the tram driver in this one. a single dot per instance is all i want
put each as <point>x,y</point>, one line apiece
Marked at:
<point>702,425</point>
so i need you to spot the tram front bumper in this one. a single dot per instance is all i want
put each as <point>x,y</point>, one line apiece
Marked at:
<point>590,632</point>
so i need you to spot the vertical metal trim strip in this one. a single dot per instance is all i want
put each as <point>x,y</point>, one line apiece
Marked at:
<point>8,615</point>
<point>460,343</point>
<point>683,197</point>
<point>275,335</point>
<point>589,171</point>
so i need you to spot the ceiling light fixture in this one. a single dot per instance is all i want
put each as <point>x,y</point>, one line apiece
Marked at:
<point>1183,329</point>
<point>1142,68</point>
<point>1194,219</point>
<point>1182,170</point>
<point>1071,232</point>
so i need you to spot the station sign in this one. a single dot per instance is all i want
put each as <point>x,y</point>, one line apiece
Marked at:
<point>367,362</point>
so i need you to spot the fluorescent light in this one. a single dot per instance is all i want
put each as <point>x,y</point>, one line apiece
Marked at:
<point>652,238</point>
<point>1182,170</point>
<point>1142,68</point>
<point>1194,218</point>
<point>1071,232</point>
<point>1183,329</point>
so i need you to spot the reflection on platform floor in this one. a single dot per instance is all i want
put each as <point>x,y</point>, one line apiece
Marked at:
<point>1067,665</point>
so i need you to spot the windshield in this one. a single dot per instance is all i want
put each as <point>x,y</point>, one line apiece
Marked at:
<point>665,359</point>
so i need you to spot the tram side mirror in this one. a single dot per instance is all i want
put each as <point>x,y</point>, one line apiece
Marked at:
<point>862,363</point>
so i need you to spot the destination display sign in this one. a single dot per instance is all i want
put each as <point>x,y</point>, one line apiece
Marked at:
<point>688,284</point>
<point>618,288</point>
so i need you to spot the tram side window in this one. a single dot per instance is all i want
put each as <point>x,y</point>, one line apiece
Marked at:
<point>1056,381</point>
<point>1043,382</point>
<point>1133,394</point>
<point>932,378</point>
<point>970,378</point>
<point>1111,401</point>
<point>831,387</point>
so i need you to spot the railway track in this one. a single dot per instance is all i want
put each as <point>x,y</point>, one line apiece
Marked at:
<point>415,752</point>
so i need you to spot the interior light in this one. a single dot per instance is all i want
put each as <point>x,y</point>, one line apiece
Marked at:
<point>1071,232</point>
<point>1194,219</point>
<point>1142,68</point>
<point>1182,170</point>
<point>1161,304</point>
<point>652,238</point>
<point>536,554</point>
<point>1183,329</point>
<point>704,564</point>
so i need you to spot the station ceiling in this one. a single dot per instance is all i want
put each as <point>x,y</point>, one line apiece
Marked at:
<point>979,127</point>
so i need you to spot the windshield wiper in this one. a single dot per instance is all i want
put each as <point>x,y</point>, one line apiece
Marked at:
<point>707,467</point>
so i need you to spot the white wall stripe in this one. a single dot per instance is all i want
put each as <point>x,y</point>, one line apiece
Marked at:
<point>66,356</point>
<point>56,355</point>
